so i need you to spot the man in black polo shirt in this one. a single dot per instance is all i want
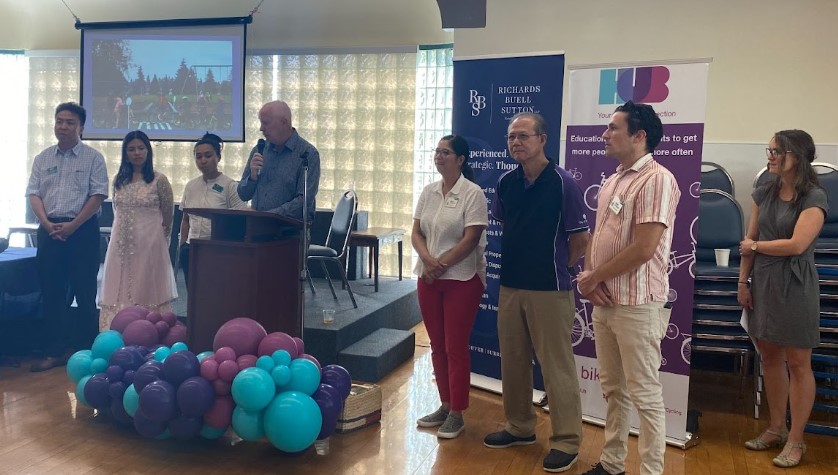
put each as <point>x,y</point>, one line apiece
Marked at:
<point>544,231</point>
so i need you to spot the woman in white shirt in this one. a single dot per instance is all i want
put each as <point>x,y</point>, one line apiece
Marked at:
<point>449,233</point>
<point>212,189</point>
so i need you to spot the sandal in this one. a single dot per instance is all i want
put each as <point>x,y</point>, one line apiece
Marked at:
<point>776,439</point>
<point>785,460</point>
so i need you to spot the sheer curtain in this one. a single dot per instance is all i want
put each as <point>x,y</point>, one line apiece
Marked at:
<point>357,109</point>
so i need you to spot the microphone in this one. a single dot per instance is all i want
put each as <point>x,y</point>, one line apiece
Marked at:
<point>304,158</point>
<point>260,148</point>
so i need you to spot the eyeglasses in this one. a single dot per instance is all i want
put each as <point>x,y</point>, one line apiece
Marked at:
<point>775,152</point>
<point>442,151</point>
<point>521,137</point>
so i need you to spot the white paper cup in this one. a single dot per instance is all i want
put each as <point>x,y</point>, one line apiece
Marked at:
<point>722,257</point>
<point>328,316</point>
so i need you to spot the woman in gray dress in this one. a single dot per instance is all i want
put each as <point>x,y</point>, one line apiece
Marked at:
<point>783,298</point>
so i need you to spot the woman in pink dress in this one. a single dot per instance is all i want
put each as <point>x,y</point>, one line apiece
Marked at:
<point>137,266</point>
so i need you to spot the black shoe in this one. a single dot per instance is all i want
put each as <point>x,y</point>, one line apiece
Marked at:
<point>558,461</point>
<point>48,363</point>
<point>503,439</point>
<point>598,470</point>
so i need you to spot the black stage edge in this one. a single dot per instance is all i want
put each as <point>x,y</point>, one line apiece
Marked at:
<point>369,341</point>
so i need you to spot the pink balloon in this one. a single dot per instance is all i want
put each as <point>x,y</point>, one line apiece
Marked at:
<point>301,347</point>
<point>224,354</point>
<point>242,334</point>
<point>176,333</point>
<point>305,356</point>
<point>140,332</point>
<point>228,370</point>
<point>209,369</point>
<point>221,413</point>
<point>126,316</point>
<point>154,317</point>
<point>278,341</point>
<point>169,317</point>
<point>162,329</point>
<point>221,388</point>
<point>246,361</point>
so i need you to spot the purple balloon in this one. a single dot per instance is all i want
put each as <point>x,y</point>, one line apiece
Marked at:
<point>128,377</point>
<point>221,387</point>
<point>127,357</point>
<point>149,372</point>
<point>154,317</point>
<point>140,332</point>
<point>170,318</point>
<point>223,354</point>
<point>195,396</point>
<point>183,427</point>
<point>158,401</point>
<point>209,369</point>
<point>278,341</point>
<point>117,390</point>
<point>162,329</point>
<point>126,316</point>
<point>118,413</point>
<point>338,377</point>
<point>333,392</point>
<point>246,361</point>
<point>221,413</point>
<point>114,373</point>
<point>242,334</point>
<point>176,333</point>
<point>228,370</point>
<point>301,347</point>
<point>96,391</point>
<point>180,366</point>
<point>330,406</point>
<point>147,427</point>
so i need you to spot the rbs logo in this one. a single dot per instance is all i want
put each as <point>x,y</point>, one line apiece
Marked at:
<point>645,85</point>
<point>478,102</point>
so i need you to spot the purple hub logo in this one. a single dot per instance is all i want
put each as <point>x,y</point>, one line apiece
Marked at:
<point>645,85</point>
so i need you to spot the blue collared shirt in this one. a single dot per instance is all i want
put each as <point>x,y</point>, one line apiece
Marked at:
<point>279,188</point>
<point>65,180</point>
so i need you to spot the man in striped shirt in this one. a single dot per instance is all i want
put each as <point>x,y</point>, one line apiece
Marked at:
<point>625,279</point>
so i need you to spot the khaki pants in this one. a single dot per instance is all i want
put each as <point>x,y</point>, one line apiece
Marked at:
<point>628,348</point>
<point>539,321</point>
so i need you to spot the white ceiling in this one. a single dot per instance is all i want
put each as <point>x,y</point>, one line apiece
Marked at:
<point>278,24</point>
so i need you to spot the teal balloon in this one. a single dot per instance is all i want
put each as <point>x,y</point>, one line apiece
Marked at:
<point>179,346</point>
<point>248,424</point>
<point>160,354</point>
<point>80,389</point>
<point>204,355</point>
<point>210,432</point>
<point>281,376</point>
<point>292,421</point>
<point>131,400</point>
<point>98,365</point>
<point>265,362</point>
<point>305,376</point>
<point>78,366</point>
<point>106,343</point>
<point>253,389</point>
<point>281,357</point>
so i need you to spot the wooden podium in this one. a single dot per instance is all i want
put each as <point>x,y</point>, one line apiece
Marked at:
<point>250,267</point>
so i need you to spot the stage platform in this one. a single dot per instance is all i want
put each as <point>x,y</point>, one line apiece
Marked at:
<point>369,341</point>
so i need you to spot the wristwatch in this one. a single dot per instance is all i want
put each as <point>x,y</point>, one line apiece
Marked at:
<point>754,246</point>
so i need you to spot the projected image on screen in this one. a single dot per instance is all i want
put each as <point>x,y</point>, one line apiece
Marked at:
<point>172,86</point>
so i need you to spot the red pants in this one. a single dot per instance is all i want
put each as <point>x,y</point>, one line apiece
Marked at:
<point>449,308</point>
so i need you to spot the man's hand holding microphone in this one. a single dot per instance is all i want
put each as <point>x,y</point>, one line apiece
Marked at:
<point>257,161</point>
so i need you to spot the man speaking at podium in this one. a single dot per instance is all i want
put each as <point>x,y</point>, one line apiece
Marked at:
<point>273,177</point>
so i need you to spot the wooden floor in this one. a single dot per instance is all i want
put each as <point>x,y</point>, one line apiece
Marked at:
<point>44,430</point>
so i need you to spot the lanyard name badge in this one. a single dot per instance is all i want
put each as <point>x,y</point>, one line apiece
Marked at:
<point>616,205</point>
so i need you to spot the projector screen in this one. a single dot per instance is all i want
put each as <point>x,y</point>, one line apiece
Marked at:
<point>172,80</point>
